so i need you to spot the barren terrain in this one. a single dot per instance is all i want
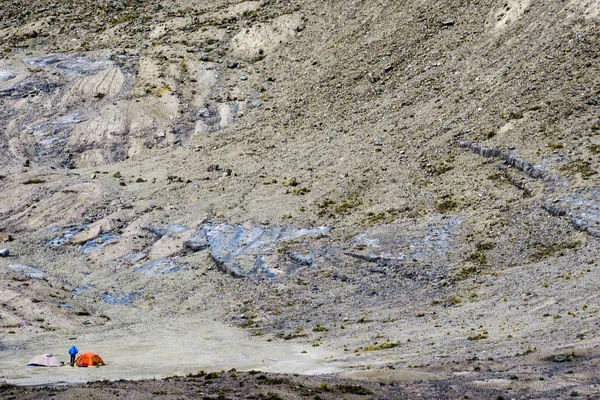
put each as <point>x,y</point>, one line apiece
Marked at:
<point>383,199</point>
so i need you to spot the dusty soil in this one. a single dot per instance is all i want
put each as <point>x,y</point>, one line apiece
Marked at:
<point>402,196</point>
<point>393,384</point>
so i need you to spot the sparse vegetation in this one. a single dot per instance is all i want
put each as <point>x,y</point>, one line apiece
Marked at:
<point>212,375</point>
<point>446,205</point>
<point>381,346</point>
<point>552,249</point>
<point>489,134</point>
<point>34,181</point>
<point>354,389</point>
<point>479,258</point>
<point>501,176</point>
<point>563,358</point>
<point>363,185</point>
<point>478,336</point>
<point>579,167</point>
<point>466,271</point>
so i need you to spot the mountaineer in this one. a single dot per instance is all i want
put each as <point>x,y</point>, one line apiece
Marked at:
<point>73,352</point>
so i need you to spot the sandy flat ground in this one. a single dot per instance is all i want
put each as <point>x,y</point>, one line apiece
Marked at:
<point>166,351</point>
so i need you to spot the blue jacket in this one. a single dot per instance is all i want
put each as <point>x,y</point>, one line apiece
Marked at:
<point>73,350</point>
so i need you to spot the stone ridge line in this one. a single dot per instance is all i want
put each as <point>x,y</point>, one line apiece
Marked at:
<point>529,169</point>
<point>582,207</point>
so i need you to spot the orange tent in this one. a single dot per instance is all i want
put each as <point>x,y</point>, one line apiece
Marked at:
<point>89,359</point>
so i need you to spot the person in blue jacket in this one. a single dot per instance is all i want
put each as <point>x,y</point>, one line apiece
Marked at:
<point>73,352</point>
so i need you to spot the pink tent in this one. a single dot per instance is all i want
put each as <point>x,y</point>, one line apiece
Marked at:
<point>45,360</point>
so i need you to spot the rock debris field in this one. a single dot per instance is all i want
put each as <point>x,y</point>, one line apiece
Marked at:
<point>300,199</point>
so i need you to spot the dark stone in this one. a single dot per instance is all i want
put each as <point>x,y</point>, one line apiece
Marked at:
<point>198,241</point>
<point>171,230</point>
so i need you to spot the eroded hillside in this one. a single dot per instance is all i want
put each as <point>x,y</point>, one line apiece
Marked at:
<point>401,184</point>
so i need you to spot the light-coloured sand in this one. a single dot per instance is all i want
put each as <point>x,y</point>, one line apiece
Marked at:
<point>179,347</point>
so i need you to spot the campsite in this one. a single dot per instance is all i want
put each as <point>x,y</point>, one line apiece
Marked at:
<point>45,360</point>
<point>300,199</point>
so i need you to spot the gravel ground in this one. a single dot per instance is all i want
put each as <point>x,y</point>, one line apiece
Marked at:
<point>300,187</point>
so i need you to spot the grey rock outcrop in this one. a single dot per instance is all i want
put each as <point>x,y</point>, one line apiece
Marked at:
<point>482,151</point>
<point>531,170</point>
<point>534,171</point>
<point>161,266</point>
<point>171,230</point>
<point>430,241</point>
<point>198,241</point>
<point>241,251</point>
<point>27,270</point>
<point>582,207</point>
<point>6,75</point>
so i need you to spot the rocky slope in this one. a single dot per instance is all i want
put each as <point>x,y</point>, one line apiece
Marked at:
<point>404,184</point>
